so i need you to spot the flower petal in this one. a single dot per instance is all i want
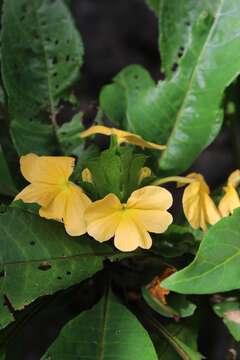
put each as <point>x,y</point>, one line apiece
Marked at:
<point>149,198</point>
<point>156,221</point>
<point>229,202</point>
<point>41,194</point>
<point>98,129</point>
<point>46,169</point>
<point>68,207</point>
<point>139,141</point>
<point>211,212</point>
<point>103,217</point>
<point>74,219</point>
<point>130,235</point>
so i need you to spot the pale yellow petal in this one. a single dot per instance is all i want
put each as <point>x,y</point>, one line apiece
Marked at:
<point>149,198</point>
<point>192,205</point>
<point>103,217</point>
<point>41,194</point>
<point>143,173</point>
<point>156,221</point>
<point>98,129</point>
<point>234,178</point>
<point>131,235</point>
<point>211,212</point>
<point>87,175</point>
<point>46,169</point>
<point>56,210</point>
<point>123,136</point>
<point>198,206</point>
<point>76,205</point>
<point>139,141</point>
<point>229,202</point>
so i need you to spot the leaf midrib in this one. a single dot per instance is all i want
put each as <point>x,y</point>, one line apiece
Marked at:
<point>178,116</point>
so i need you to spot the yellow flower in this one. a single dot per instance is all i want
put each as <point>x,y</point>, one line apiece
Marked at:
<point>60,199</point>
<point>122,137</point>
<point>230,200</point>
<point>144,172</point>
<point>198,206</point>
<point>129,223</point>
<point>87,176</point>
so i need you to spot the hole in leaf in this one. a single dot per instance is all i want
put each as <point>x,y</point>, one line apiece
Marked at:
<point>59,278</point>
<point>2,273</point>
<point>174,67</point>
<point>67,58</point>
<point>54,60</point>
<point>68,273</point>
<point>187,23</point>
<point>135,76</point>
<point>56,42</point>
<point>44,266</point>
<point>32,243</point>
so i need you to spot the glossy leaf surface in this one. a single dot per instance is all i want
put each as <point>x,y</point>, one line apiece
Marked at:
<point>113,330</point>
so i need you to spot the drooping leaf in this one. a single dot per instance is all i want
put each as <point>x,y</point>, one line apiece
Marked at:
<point>229,310</point>
<point>41,56</point>
<point>7,186</point>
<point>215,268</point>
<point>38,258</point>
<point>111,327</point>
<point>184,112</point>
<point>178,341</point>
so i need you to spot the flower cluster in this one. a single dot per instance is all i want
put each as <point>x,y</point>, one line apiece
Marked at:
<point>129,222</point>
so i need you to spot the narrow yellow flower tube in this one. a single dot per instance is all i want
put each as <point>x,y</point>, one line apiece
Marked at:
<point>59,198</point>
<point>230,200</point>
<point>130,223</point>
<point>198,206</point>
<point>122,137</point>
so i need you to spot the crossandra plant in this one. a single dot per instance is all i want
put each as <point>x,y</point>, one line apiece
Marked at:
<point>90,214</point>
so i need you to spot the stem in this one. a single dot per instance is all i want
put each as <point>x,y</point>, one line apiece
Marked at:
<point>179,179</point>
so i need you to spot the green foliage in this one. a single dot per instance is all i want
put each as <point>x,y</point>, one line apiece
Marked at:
<point>182,337</point>
<point>115,172</point>
<point>229,310</point>
<point>41,56</point>
<point>178,306</point>
<point>7,186</point>
<point>68,135</point>
<point>39,258</point>
<point>113,330</point>
<point>215,268</point>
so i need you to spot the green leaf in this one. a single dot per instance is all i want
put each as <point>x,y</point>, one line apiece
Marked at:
<point>178,306</point>
<point>6,316</point>
<point>229,310</point>
<point>176,241</point>
<point>184,112</point>
<point>68,134</point>
<point>176,19</point>
<point>216,266</point>
<point>39,258</point>
<point>154,5</point>
<point>179,341</point>
<point>41,56</point>
<point>111,327</point>
<point>7,186</point>
<point>113,103</point>
<point>106,173</point>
